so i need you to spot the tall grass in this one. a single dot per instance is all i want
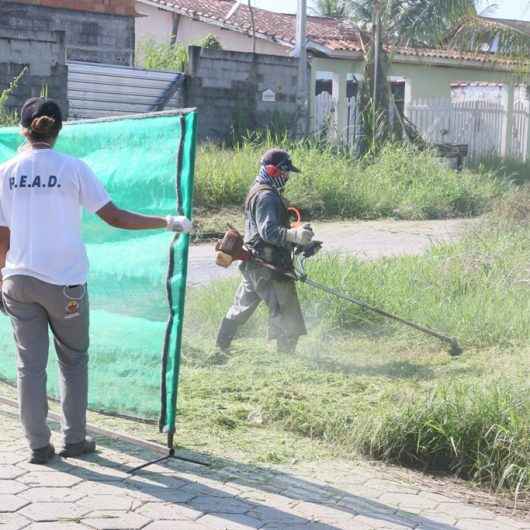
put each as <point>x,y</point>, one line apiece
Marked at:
<point>402,182</point>
<point>479,431</point>
<point>508,169</point>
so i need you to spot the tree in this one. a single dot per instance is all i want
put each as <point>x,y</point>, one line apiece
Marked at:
<point>332,8</point>
<point>458,24</point>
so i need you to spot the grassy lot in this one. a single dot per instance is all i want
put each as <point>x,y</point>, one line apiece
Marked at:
<point>401,183</point>
<point>364,385</point>
<point>361,385</point>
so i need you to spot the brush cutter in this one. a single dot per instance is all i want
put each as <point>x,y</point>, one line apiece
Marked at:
<point>231,249</point>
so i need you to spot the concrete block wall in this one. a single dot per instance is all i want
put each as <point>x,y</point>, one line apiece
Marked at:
<point>100,37</point>
<point>227,88</point>
<point>42,53</point>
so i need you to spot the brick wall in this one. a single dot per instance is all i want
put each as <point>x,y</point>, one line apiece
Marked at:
<point>227,88</point>
<point>99,37</point>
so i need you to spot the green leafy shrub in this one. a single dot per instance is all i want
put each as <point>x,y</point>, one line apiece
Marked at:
<point>210,42</point>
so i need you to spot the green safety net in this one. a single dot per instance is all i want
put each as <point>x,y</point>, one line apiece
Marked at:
<point>147,165</point>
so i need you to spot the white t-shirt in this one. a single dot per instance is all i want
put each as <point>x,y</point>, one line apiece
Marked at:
<point>41,195</point>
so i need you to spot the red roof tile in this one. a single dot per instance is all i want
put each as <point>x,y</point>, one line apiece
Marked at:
<point>336,35</point>
<point>520,25</point>
<point>457,55</point>
<point>280,27</point>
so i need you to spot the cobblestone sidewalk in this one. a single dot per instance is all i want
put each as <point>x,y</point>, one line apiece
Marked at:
<point>98,493</point>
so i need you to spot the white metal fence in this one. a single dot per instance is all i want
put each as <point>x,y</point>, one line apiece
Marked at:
<point>98,90</point>
<point>487,128</point>
<point>325,122</point>
<point>482,126</point>
<point>520,131</point>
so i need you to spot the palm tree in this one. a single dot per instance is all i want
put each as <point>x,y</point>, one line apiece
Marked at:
<point>459,24</point>
<point>332,8</point>
<point>394,24</point>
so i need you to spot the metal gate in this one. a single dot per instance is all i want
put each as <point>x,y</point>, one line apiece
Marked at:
<point>98,90</point>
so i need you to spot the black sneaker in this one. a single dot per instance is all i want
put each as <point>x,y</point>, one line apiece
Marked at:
<point>42,455</point>
<point>87,446</point>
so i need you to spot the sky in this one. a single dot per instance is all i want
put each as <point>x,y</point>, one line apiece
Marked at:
<point>517,9</point>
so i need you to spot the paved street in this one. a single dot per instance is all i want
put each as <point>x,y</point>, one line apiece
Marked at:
<point>365,240</point>
<point>99,493</point>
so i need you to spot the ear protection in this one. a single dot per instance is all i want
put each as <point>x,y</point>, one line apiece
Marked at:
<point>273,171</point>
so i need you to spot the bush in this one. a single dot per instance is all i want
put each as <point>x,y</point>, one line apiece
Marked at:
<point>210,42</point>
<point>159,56</point>
<point>510,170</point>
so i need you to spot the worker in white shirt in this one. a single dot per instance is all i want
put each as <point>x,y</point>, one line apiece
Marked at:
<point>44,269</point>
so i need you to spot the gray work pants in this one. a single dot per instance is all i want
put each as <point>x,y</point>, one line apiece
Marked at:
<point>33,306</point>
<point>286,321</point>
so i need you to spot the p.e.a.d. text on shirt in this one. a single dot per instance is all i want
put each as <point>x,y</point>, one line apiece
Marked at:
<point>35,182</point>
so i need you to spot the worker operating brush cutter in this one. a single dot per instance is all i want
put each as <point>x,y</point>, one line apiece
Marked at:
<point>271,241</point>
<point>273,255</point>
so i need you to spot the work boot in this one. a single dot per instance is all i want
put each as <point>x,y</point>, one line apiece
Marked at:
<point>226,334</point>
<point>42,455</point>
<point>87,446</point>
<point>286,344</point>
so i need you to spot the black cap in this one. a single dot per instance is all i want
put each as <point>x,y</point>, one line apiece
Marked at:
<point>280,159</point>
<point>37,107</point>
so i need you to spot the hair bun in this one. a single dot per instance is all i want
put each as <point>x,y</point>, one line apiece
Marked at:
<point>43,125</point>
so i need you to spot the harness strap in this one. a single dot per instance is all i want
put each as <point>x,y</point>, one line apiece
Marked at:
<point>255,191</point>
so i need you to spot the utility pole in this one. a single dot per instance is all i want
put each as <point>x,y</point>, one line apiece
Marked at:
<point>376,35</point>
<point>301,53</point>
